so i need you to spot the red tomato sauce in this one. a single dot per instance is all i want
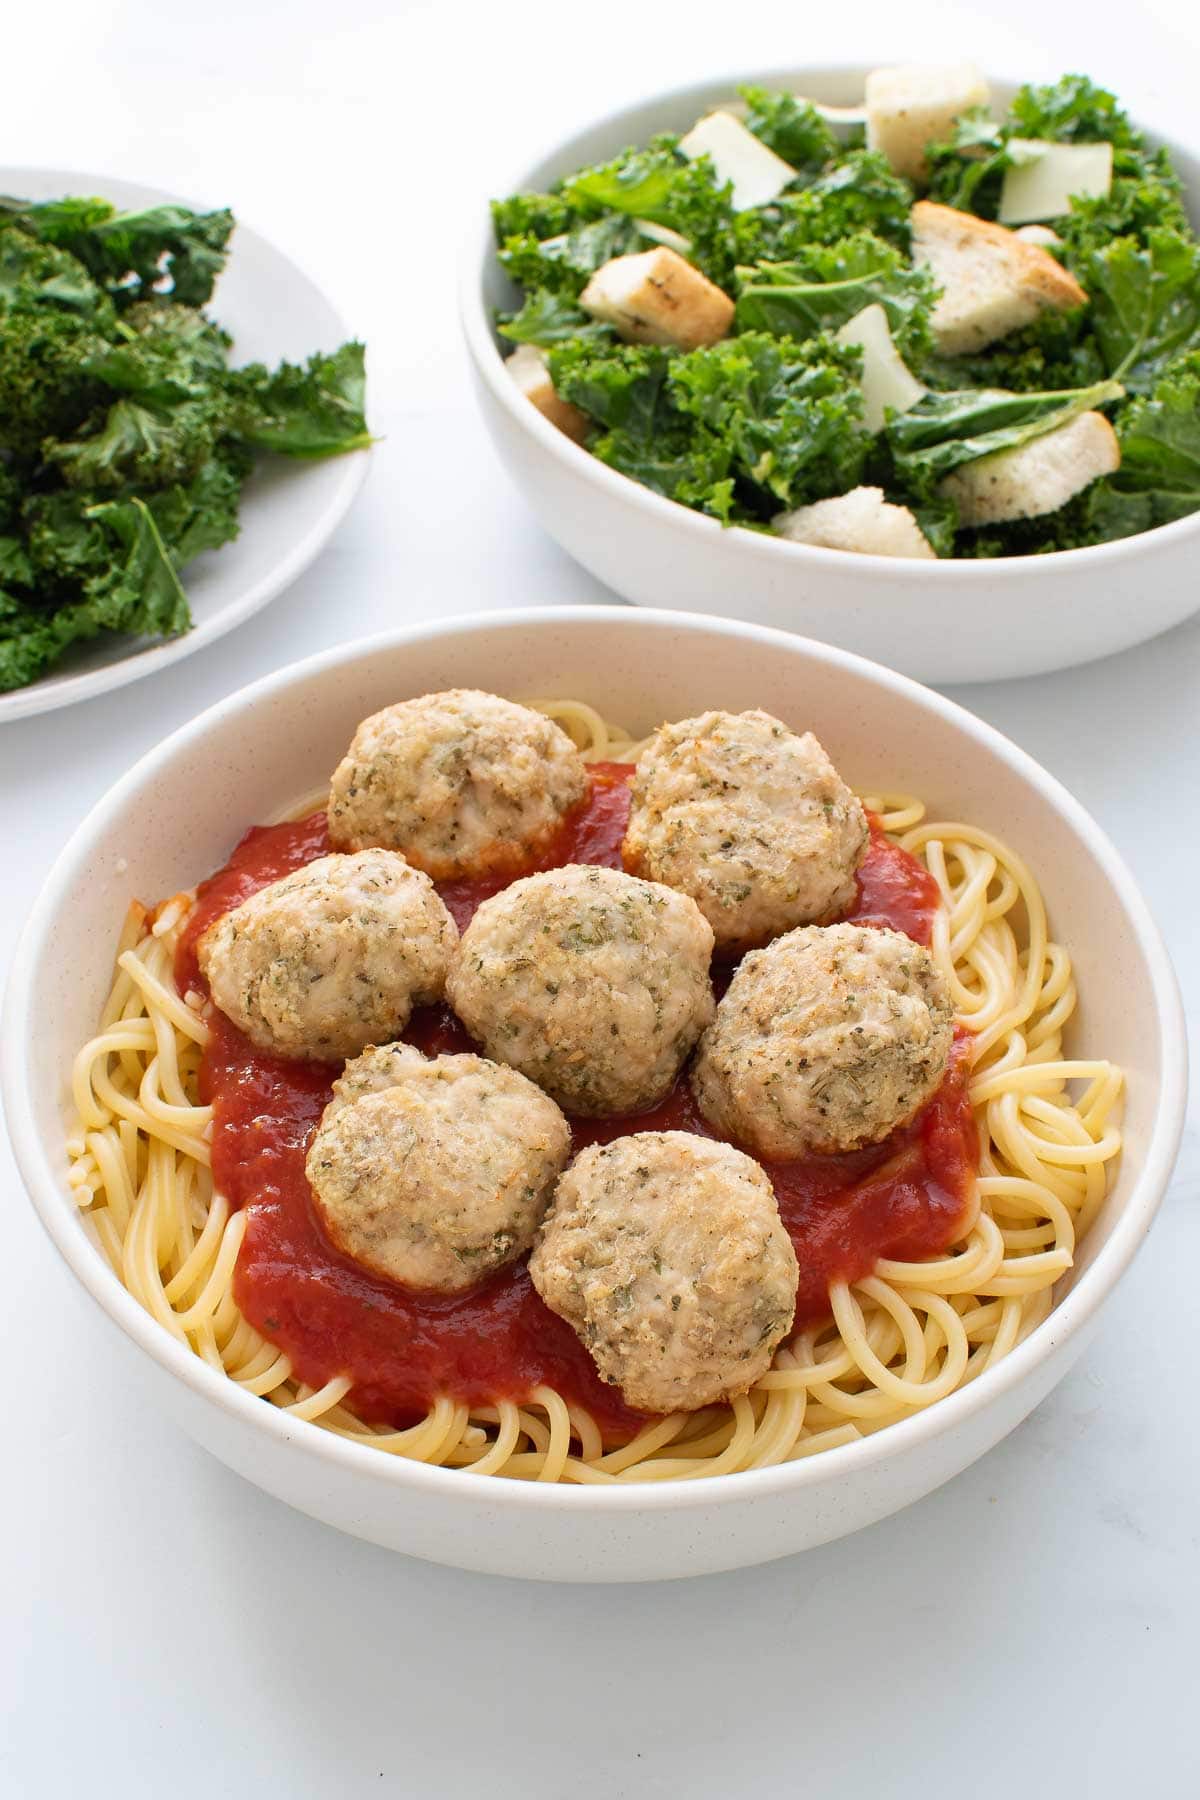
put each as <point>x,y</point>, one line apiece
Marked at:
<point>905,1198</point>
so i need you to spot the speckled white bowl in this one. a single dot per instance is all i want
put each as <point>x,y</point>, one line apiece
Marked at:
<point>174,817</point>
<point>946,621</point>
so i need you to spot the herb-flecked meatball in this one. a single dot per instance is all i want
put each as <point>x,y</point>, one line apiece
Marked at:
<point>332,957</point>
<point>463,783</point>
<point>749,818</point>
<point>827,1040</point>
<point>591,982</point>
<point>435,1173</point>
<point>666,1254</point>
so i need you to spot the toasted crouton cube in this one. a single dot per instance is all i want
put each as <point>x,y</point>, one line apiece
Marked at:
<point>992,281</point>
<point>910,108</point>
<point>529,368</point>
<point>757,175</point>
<point>860,520</point>
<point>655,297</point>
<point>1037,477</point>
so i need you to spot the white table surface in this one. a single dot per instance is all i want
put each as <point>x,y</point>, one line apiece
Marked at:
<point>166,1629</point>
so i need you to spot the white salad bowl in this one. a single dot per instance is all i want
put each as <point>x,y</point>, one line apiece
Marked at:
<point>174,818</point>
<point>949,621</point>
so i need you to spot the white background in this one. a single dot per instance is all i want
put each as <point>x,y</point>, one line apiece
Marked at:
<point>167,1630</point>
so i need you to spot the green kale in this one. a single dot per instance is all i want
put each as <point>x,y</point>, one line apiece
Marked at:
<point>859,193</point>
<point>789,413</point>
<point>45,387</point>
<point>132,588</point>
<point>548,318</point>
<point>309,411</point>
<point>967,170</point>
<point>791,127</point>
<point>532,215</point>
<point>135,445</point>
<point>562,265</point>
<point>165,248</point>
<point>824,286</point>
<point>943,431</point>
<point>1159,477</point>
<point>643,433</point>
<point>663,186</point>
<point>1072,111</point>
<point>1145,304</point>
<point>124,436</point>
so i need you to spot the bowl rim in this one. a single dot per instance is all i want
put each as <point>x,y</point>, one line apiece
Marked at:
<point>47,1190</point>
<point>478,330</point>
<point>72,689</point>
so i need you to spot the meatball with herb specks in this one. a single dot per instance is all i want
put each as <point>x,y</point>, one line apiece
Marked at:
<point>827,1040</point>
<point>591,982</point>
<point>332,957</point>
<point>749,818</point>
<point>666,1254</point>
<point>463,783</point>
<point>435,1173</point>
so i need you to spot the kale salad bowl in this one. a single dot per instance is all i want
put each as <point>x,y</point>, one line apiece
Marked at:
<point>935,403</point>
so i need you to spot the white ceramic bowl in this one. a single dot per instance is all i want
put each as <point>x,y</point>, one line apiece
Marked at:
<point>290,508</point>
<point>944,622</point>
<point>173,818</point>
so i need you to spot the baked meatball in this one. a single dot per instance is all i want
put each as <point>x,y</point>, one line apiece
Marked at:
<point>440,1176</point>
<point>332,957</point>
<point>463,783</point>
<point>751,819</point>
<point>827,1040</point>
<point>665,1252</point>
<point>591,982</point>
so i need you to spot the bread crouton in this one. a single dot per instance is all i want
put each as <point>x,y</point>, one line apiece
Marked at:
<point>860,520</point>
<point>529,368</point>
<point>655,297</point>
<point>910,108</point>
<point>1037,477</point>
<point>992,281</point>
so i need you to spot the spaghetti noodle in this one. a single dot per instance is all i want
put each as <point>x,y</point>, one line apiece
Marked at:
<point>894,1342</point>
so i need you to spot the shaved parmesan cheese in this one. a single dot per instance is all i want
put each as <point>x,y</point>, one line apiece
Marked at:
<point>662,234</point>
<point>757,174</point>
<point>1045,176</point>
<point>887,379</point>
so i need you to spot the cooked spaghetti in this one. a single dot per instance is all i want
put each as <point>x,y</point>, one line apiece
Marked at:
<point>876,1350</point>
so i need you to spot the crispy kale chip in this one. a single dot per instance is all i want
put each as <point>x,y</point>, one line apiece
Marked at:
<point>161,249</point>
<point>124,435</point>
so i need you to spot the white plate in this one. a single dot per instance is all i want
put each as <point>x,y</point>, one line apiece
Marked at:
<point>289,511</point>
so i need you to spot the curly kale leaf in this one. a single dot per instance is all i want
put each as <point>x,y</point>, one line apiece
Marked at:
<point>312,410</point>
<point>532,215</point>
<point>166,248</point>
<point>791,127</point>
<point>790,413</point>
<point>1159,476</point>
<point>662,185</point>
<point>859,193</point>
<point>824,286</point>
<point>548,318</point>
<point>626,390</point>
<point>562,265</point>
<point>1145,304</point>
<point>1072,110</point>
<point>130,586</point>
